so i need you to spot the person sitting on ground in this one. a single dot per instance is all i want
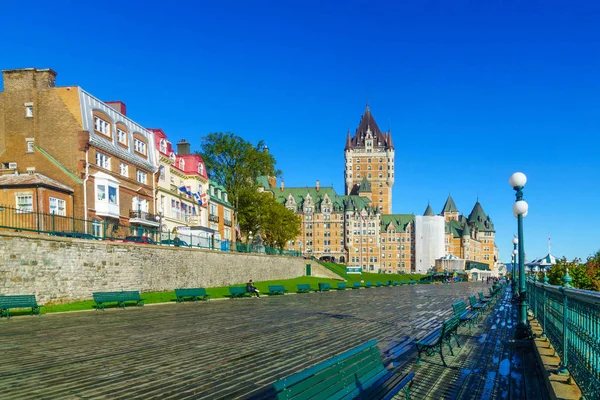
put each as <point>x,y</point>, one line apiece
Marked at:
<point>250,288</point>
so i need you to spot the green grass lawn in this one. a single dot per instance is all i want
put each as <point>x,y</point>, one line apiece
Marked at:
<point>220,292</point>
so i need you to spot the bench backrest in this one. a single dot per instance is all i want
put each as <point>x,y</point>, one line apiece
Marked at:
<point>459,308</point>
<point>276,288</point>
<point>402,283</point>
<point>129,295</point>
<point>323,285</point>
<point>481,296</point>
<point>346,374</point>
<point>379,284</point>
<point>472,300</point>
<point>341,286</point>
<point>368,284</point>
<point>190,292</point>
<point>237,289</point>
<point>303,286</point>
<point>450,324</point>
<point>356,284</point>
<point>18,301</point>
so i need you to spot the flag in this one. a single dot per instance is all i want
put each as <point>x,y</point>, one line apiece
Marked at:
<point>198,197</point>
<point>203,199</point>
<point>183,189</point>
<point>237,229</point>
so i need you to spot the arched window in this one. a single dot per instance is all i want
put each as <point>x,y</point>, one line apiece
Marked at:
<point>102,124</point>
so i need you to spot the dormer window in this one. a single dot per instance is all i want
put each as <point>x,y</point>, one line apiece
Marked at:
<point>200,168</point>
<point>224,196</point>
<point>139,146</point>
<point>163,145</point>
<point>101,126</point>
<point>181,164</point>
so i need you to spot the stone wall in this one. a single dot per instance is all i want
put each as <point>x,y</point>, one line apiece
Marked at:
<point>59,270</point>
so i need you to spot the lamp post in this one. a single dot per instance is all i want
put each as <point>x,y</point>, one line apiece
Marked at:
<point>515,284</point>
<point>520,208</point>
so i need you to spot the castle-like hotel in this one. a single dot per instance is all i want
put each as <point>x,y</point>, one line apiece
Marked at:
<point>359,228</point>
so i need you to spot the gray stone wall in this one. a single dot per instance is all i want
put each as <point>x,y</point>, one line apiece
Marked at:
<point>61,270</point>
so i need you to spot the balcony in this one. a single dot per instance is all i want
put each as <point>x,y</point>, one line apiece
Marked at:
<point>143,218</point>
<point>227,222</point>
<point>213,218</point>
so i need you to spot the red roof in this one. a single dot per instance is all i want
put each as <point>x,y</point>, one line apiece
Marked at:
<point>191,161</point>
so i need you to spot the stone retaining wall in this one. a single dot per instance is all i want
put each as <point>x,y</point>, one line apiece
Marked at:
<point>59,270</point>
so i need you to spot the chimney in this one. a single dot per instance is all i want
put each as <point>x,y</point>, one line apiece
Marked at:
<point>282,185</point>
<point>183,147</point>
<point>118,106</point>
<point>318,186</point>
<point>28,78</point>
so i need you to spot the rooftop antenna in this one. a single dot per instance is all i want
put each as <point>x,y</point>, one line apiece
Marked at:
<point>549,252</point>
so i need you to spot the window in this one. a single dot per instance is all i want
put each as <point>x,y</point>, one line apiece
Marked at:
<point>29,145</point>
<point>161,172</point>
<point>163,145</point>
<point>97,228</point>
<point>28,110</point>
<point>139,146</point>
<point>112,195</point>
<point>102,160</point>
<point>227,215</point>
<point>101,126</point>
<point>101,192</point>
<point>24,203</point>
<point>58,206</point>
<point>181,164</point>
<point>121,136</point>
<point>227,233</point>
<point>141,177</point>
<point>200,168</point>
<point>124,169</point>
<point>224,196</point>
<point>213,209</point>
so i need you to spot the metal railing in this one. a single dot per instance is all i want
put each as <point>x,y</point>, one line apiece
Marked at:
<point>570,319</point>
<point>16,220</point>
<point>213,218</point>
<point>144,215</point>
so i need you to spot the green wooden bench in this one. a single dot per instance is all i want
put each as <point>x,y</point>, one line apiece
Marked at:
<point>358,373</point>
<point>466,317</point>
<point>396,283</point>
<point>475,305</point>
<point>341,286</point>
<point>122,297</point>
<point>276,290</point>
<point>436,339</point>
<point>412,282</point>
<point>356,285</point>
<point>194,294</point>
<point>324,287</point>
<point>18,301</point>
<point>482,298</point>
<point>238,292</point>
<point>303,288</point>
<point>378,284</point>
<point>368,285</point>
<point>402,283</point>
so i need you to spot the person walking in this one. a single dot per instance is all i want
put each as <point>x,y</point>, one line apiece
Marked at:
<point>250,288</point>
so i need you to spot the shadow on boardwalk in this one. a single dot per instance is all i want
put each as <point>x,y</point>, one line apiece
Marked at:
<point>234,349</point>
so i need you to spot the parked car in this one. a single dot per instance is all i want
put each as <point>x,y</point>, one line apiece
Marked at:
<point>174,242</point>
<point>139,239</point>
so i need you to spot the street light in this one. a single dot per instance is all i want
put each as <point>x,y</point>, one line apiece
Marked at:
<point>514,270</point>
<point>520,209</point>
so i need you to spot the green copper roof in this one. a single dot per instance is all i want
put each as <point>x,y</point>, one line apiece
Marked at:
<point>263,181</point>
<point>466,231</point>
<point>480,220</point>
<point>365,186</point>
<point>455,228</point>
<point>450,206</point>
<point>398,221</point>
<point>429,211</point>
<point>297,196</point>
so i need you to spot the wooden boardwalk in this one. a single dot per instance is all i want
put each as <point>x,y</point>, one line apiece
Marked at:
<point>237,348</point>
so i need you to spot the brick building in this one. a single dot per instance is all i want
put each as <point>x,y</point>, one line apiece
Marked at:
<point>69,136</point>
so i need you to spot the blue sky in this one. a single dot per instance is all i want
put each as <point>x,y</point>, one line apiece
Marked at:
<point>473,91</point>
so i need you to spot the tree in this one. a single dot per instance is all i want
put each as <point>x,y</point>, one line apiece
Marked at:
<point>279,225</point>
<point>235,163</point>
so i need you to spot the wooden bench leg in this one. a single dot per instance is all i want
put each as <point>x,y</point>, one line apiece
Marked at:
<point>442,354</point>
<point>419,356</point>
